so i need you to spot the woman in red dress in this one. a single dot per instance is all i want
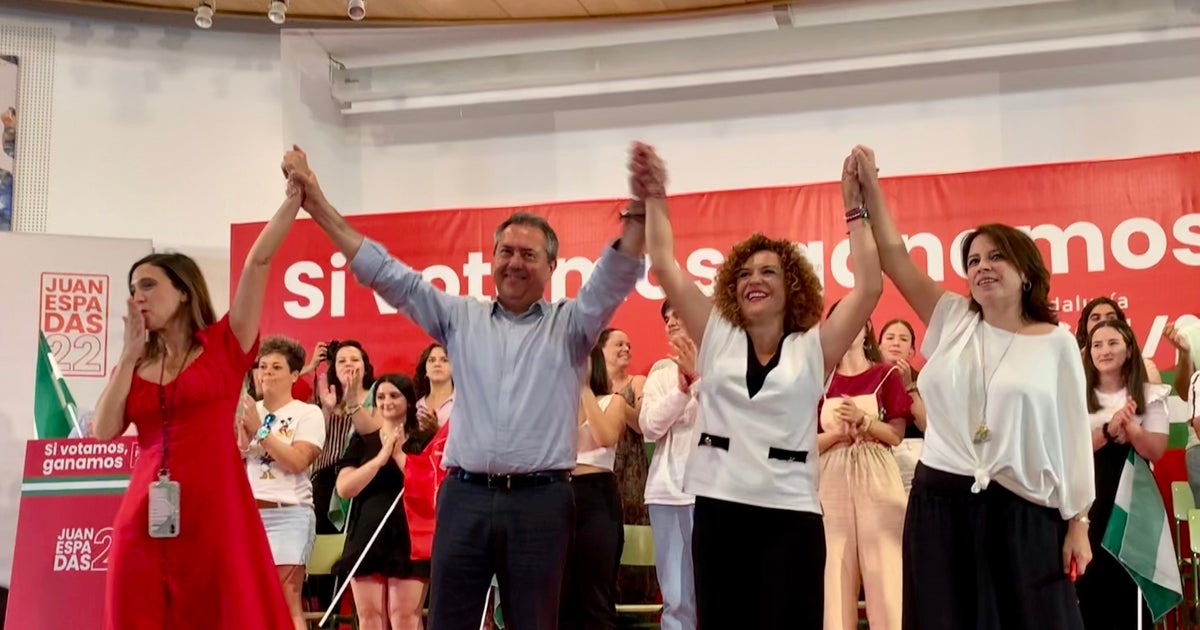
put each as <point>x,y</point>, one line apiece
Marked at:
<point>178,380</point>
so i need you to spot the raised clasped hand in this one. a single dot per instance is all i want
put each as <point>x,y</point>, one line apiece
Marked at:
<point>868,170</point>
<point>851,189</point>
<point>301,181</point>
<point>647,173</point>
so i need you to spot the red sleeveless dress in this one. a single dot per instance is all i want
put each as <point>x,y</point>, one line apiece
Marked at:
<point>218,573</point>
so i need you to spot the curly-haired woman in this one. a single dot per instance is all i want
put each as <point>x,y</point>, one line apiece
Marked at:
<point>758,544</point>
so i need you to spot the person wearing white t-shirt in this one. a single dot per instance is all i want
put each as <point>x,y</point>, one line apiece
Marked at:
<point>668,419</point>
<point>758,542</point>
<point>997,515</point>
<point>1127,412</point>
<point>280,437</point>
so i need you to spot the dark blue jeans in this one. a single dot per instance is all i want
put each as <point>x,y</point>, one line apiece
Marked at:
<point>522,536</point>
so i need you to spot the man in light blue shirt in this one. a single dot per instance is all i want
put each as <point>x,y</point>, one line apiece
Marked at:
<point>506,507</point>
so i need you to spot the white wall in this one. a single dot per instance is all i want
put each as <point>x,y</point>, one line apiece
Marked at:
<point>166,134</point>
<point>173,134</point>
<point>929,121</point>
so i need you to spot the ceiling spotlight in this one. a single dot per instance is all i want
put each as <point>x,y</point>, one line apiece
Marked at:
<point>204,13</point>
<point>356,9</point>
<point>278,11</point>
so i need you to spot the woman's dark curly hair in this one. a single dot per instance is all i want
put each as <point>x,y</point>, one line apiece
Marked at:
<point>805,298</point>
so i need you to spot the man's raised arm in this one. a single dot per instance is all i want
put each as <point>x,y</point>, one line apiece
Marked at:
<point>621,266</point>
<point>398,284</point>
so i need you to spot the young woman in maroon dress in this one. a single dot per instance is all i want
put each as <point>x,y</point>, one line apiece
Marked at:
<point>178,380</point>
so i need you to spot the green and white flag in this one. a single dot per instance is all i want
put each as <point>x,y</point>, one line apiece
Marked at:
<point>54,409</point>
<point>1139,536</point>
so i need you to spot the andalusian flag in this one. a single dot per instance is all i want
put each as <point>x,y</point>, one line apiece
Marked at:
<point>1139,536</point>
<point>54,410</point>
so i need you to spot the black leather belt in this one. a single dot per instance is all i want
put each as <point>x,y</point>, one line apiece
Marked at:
<point>509,482</point>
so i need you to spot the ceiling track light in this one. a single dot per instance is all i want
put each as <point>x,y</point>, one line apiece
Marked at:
<point>277,13</point>
<point>204,13</point>
<point>356,9</point>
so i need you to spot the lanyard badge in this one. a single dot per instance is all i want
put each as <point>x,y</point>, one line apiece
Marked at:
<point>164,494</point>
<point>164,507</point>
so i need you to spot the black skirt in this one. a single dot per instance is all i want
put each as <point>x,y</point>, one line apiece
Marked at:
<point>986,561</point>
<point>1108,596</point>
<point>757,568</point>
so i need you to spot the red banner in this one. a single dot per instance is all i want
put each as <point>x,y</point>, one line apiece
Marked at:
<point>1128,229</point>
<point>69,498</point>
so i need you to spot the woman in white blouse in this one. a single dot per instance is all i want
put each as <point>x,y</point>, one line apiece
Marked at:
<point>280,437</point>
<point>758,543</point>
<point>1127,412</point>
<point>998,510</point>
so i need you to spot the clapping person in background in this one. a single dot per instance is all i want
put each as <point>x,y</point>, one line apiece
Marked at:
<point>1127,412</point>
<point>634,584</point>
<point>435,387</point>
<point>389,586</point>
<point>897,345</point>
<point>862,416</point>
<point>180,373</point>
<point>343,394</point>
<point>668,418</point>
<point>1102,309</point>
<point>758,545</point>
<point>1186,382</point>
<point>426,446</point>
<point>997,515</point>
<point>280,437</point>
<point>590,586</point>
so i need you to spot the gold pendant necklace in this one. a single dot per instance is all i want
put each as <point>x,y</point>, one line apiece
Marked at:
<point>982,433</point>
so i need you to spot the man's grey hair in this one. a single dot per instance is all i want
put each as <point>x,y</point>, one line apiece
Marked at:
<point>530,220</point>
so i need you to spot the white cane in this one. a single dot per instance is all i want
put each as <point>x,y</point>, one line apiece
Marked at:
<point>486,601</point>
<point>1139,605</point>
<point>341,591</point>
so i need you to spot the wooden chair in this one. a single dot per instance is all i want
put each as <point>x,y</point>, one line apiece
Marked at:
<point>327,550</point>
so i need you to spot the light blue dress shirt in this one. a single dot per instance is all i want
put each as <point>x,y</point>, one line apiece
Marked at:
<point>517,377</point>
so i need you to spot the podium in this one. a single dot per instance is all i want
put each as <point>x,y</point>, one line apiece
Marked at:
<point>70,493</point>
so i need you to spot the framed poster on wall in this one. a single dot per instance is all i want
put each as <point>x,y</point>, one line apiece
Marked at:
<point>9,77</point>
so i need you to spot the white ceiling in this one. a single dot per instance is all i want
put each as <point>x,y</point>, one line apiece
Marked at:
<point>423,69</point>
